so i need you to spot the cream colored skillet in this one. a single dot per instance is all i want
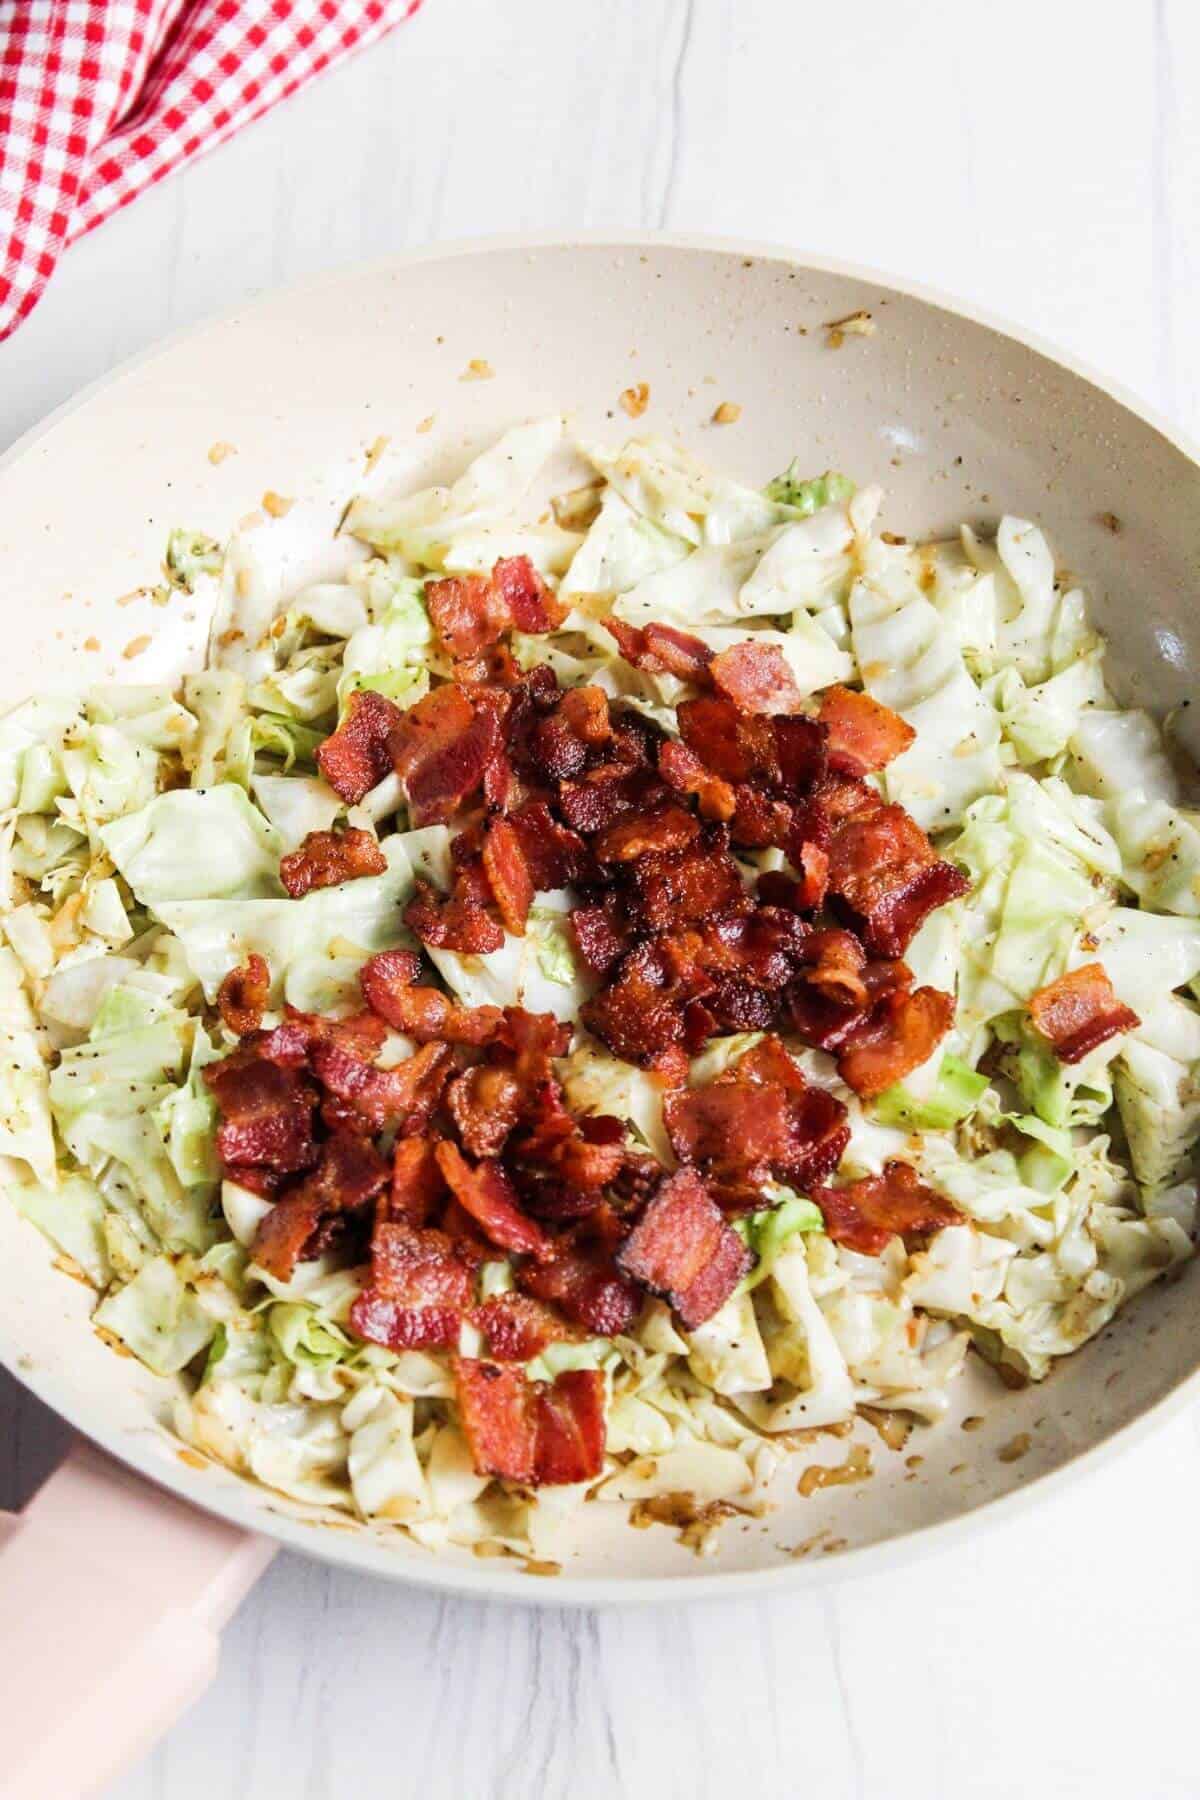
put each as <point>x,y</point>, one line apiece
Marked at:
<point>955,417</point>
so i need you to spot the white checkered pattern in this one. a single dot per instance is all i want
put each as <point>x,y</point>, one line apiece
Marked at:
<point>99,99</point>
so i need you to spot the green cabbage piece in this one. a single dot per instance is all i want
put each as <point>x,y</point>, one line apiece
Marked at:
<point>191,554</point>
<point>955,1096</point>
<point>808,494</point>
<point>159,1317</point>
<point>194,845</point>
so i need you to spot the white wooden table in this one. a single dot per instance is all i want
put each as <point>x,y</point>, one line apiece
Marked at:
<point>1041,158</point>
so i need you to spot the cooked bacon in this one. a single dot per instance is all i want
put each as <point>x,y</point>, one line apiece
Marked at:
<point>539,1435</point>
<point>517,1327</point>
<point>727,740</point>
<point>470,612</point>
<point>485,1104</point>
<point>606,793</point>
<point>455,921</point>
<point>586,1287</point>
<point>585,710</point>
<point>900,1033</point>
<point>662,650</point>
<point>555,856</point>
<point>758,1121</point>
<point>800,753</point>
<point>683,1248</point>
<point>406,1095</point>
<point>863,735</point>
<point>758,678</point>
<point>486,1192</point>
<point>570,1429</point>
<point>845,797</point>
<point>671,828</point>
<point>886,874</point>
<point>420,1289</point>
<point>602,934</point>
<point>356,757</point>
<point>266,1110</point>
<point>417,1185</point>
<point>327,858</point>
<point>422,1013</point>
<point>760,819</point>
<point>638,1015</point>
<point>832,962</point>
<point>441,748</point>
<point>532,1041</point>
<point>1080,1011</point>
<point>285,1232</point>
<point>508,875</point>
<point>682,770</point>
<point>698,882</point>
<point>865,1215</point>
<point>243,994</point>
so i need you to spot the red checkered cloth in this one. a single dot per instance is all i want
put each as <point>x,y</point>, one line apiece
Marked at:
<point>99,99</point>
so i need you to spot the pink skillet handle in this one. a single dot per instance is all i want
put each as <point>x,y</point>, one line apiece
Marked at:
<point>112,1599</point>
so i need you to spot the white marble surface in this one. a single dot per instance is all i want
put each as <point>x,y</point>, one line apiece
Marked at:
<point>1043,160</point>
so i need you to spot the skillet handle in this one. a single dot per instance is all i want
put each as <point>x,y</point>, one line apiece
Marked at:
<point>112,1598</point>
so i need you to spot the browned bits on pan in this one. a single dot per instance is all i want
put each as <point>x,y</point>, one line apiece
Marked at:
<point>635,400</point>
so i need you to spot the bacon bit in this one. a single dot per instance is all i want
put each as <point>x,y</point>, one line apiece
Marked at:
<point>135,647</point>
<point>900,1033</point>
<point>833,963</point>
<point>606,794</point>
<point>556,857</point>
<point>698,882</point>
<point>1080,1011</point>
<point>683,1249</point>
<point>682,770</point>
<point>728,413</point>
<point>485,1104</point>
<point>440,748</point>
<point>276,504</point>
<point>280,1240</point>
<point>759,1120</point>
<point>538,1435</point>
<point>266,1112</point>
<point>243,994</point>
<point>406,1095</point>
<point>517,1327</point>
<point>728,741</point>
<point>420,1288</point>
<point>488,1195</point>
<point>508,874</point>
<point>863,735</point>
<point>638,1014</point>
<point>471,612</point>
<point>328,858</point>
<point>356,757</point>
<point>865,1215</point>
<point>417,1183</point>
<point>422,1013</point>
<point>668,830</point>
<point>758,678</point>
<point>600,936</point>
<point>450,922</point>
<point>587,1288</point>
<point>635,400</point>
<point>662,650</point>
<point>887,875</point>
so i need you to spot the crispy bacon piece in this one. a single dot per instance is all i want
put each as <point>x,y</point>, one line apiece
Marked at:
<point>863,735</point>
<point>441,748</point>
<point>638,1015</point>
<point>541,1434</point>
<point>508,874</point>
<point>291,1041</point>
<point>517,1327</point>
<point>865,1215</point>
<point>727,740</point>
<point>758,1121</point>
<point>682,770</point>
<point>671,828</point>
<point>585,1286</point>
<point>555,856</point>
<point>422,1013</point>
<point>266,1110</point>
<point>421,1287</point>
<point>485,1104</point>
<point>243,993</point>
<point>327,858</point>
<point>470,612</point>
<point>406,1095</point>
<point>833,962</point>
<point>532,1040</point>
<point>886,874</point>
<point>801,754</point>
<point>486,1192</point>
<point>417,1185</point>
<point>698,882</point>
<point>455,921</point>
<point>604,794</point>
<point>585,710</point>
<point>901,1031</point>
<point>683,1248</point>
<point>662,650</point>
<point>758,678</point>
<point>356,757</point>
<point>286,1231</point>
<point>1080,1011</point>
<point>348,1176</point>
<point>602,934</point>
<point>845,797</point>
<point>760,819</point>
